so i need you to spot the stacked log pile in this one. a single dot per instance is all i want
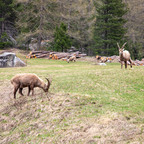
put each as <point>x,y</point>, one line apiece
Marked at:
<point>139,63</point>
<point>65,56</point>
<point>115,59</point>
<point>104,59</point>
<point>38,54</point>
<point>54,55</point>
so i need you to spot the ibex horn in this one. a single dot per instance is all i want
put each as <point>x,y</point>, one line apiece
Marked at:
<point>48,82</point>
<point>118,45</point>
<point>124,45</point>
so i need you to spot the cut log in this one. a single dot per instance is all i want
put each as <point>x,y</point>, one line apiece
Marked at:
<point>54,55</point>
<point>43,56</point>
<point>64,59</point>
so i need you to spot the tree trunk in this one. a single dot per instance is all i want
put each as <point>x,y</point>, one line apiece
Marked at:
<point>69,15</point>
<point>41,25</point>
<point>2,26</point>
<point>39,42</point>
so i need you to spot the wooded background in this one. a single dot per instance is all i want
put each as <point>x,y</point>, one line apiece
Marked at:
<point>66,23</point>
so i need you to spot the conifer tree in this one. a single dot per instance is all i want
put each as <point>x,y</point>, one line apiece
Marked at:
<point>36,20</point>
<point>61,39</point>
<point>109,27</point>
<point>7,18</point>
<point>78,15</point>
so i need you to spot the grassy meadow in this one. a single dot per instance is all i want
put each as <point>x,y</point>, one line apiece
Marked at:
<point>89,104</point>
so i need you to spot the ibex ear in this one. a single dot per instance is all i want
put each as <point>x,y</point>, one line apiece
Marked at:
<point>118,45</point>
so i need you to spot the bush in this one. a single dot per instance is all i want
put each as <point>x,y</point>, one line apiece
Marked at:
<point>5,44</point>
<point>5,41</point>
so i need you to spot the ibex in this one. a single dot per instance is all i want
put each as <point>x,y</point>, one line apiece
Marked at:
<point>72,58</point>
<point>124,56</point>
<point>29,80</point>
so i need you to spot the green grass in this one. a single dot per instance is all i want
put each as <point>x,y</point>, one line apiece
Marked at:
<point>115,89</point>
<point>93,91</point>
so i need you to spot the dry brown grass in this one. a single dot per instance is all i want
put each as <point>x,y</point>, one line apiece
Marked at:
<point>36,119</point>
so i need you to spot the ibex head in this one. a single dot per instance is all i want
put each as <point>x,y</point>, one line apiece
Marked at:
<point>122,48</point>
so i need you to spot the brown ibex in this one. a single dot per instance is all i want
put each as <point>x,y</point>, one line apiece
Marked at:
<point>72,58</point>
<point>29,80</point>
<point>124,56</point>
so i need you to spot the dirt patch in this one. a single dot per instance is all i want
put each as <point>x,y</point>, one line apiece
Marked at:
<point>36,119</point>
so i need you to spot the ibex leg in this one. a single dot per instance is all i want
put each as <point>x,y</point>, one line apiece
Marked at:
<point>121,64</point>
<point>20,91</point>
<point>32,88</point>
<point>15,91</point>
<point>29,89</point>
<point>130,63</point>
<point>126,64</point>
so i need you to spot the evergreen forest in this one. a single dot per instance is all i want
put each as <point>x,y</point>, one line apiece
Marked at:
<point>91,26</point>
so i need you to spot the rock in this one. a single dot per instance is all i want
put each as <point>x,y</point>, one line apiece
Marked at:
<point>33,46</point>
<point>8,59</point>
<point>18,62</point>
<point>72,49</point>
<point>34,43</point>
<point>108,61</point>
<point>102,64</point>
<point>12,40</point>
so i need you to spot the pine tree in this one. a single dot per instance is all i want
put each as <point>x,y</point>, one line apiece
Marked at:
<point>61,39</point>
<point>36,20</point>
<point>7,18</point>
<point>78,15</point>
<point>109,27</point>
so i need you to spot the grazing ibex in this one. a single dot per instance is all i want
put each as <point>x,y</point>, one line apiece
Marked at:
<point>72,58</point>
<point>124,56</point>
<point>29,80</point>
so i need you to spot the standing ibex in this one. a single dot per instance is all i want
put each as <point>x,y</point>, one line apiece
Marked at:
<point>28,80</point>
<point>124,56</point>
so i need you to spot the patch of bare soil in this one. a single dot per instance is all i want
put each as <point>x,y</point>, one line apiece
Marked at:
<point>36,119</point>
